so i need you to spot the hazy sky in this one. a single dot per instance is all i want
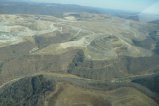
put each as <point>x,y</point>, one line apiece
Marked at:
<point>133,5</point>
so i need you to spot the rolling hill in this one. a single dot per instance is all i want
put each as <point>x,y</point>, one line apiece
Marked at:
<point>68,55</point>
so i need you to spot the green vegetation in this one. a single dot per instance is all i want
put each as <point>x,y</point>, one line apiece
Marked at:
<point>58,90</point>
<point>90,59</point>
<point>1,65</point>
<point>77,60</point>
<point>150,82</point>
<point>26,92</point>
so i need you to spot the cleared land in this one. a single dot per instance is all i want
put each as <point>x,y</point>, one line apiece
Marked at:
<point>83,59</point>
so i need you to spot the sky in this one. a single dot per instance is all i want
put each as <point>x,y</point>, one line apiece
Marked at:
<point>153,12</point>
<point>131,5</point>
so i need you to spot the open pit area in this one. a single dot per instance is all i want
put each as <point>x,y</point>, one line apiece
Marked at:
<point>85,59</point>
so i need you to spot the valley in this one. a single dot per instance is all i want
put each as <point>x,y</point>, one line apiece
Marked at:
<point>78,58</point>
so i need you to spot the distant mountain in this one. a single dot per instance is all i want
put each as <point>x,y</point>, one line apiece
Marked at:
<point>148,17</point>
<point>29,7</point>
<point>15,1</point>
<point>156,22</point>
<point>103,60</point>
<point>13,7</point>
